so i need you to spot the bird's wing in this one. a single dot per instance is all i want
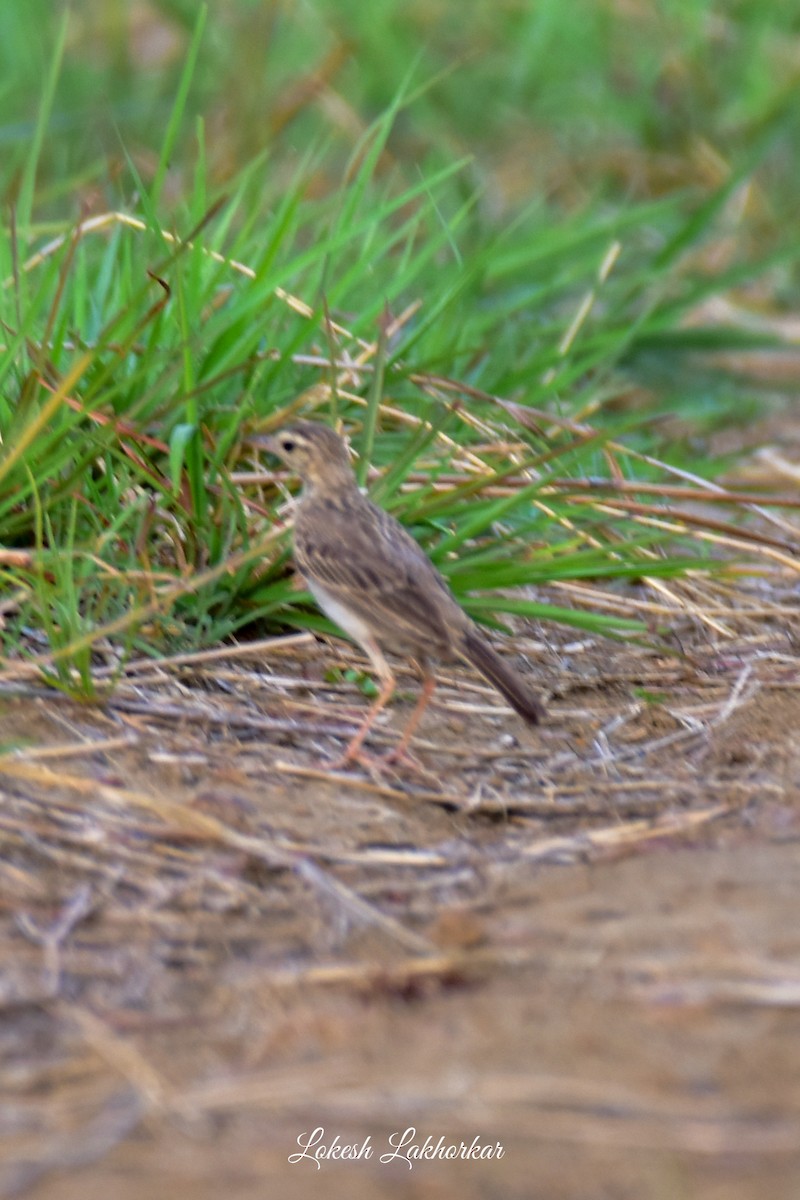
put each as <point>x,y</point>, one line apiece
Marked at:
<point>367,562</point>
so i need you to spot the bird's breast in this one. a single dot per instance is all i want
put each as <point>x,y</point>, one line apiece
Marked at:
<point>345,617</point>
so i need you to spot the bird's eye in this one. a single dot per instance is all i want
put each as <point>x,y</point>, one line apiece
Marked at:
<point>288,444</point>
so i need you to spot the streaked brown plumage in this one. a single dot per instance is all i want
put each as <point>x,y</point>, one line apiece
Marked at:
<point>370,576</point>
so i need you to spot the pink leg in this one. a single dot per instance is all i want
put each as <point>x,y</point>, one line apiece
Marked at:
<point>353,752</point>
<point>400,752</point>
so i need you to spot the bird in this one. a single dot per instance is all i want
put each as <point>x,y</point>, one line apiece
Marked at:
<point>369,576</point>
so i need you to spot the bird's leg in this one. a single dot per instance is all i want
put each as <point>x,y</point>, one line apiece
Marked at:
<point>353,752</point>
<point>400,752</point>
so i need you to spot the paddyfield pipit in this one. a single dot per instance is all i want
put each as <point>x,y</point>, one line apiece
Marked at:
<point>370,577</point>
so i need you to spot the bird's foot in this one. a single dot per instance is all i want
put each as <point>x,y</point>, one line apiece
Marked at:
<point>401,756</point>
<point>396,761</point>
<point>353,758</point>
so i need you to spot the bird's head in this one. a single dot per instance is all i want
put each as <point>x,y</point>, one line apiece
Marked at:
<point>311,450</point>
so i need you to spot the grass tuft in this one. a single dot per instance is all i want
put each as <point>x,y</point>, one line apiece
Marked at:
<point>511,390</point>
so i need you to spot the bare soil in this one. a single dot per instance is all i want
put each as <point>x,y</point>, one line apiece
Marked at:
<point>580,942</point>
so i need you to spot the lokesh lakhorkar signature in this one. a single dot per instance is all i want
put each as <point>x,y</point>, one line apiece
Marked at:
<point>405,1147</point>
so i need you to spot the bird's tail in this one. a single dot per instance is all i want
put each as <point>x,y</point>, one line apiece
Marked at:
<point>486,660</point>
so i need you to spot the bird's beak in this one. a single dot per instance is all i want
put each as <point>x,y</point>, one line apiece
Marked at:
<point>263,441</point>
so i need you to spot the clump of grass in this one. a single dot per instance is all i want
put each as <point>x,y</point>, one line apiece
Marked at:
<point>485,379</point>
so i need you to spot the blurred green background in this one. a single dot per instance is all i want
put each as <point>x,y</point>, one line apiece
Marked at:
<point>556,103</point>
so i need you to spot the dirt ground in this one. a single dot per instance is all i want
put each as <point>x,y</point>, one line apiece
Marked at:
<point>580,943</point>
